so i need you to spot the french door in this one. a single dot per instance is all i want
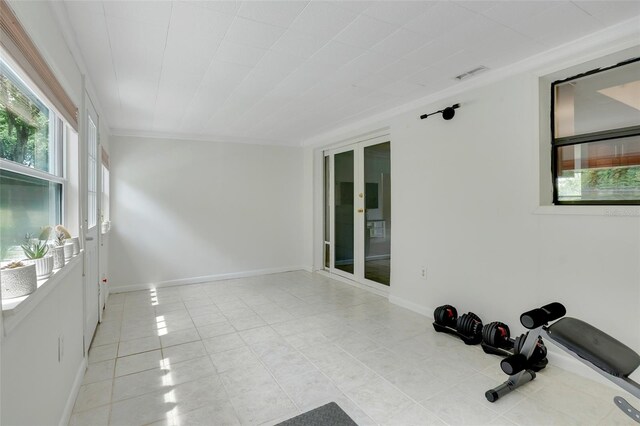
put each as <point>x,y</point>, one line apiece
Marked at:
<point>92,286</point>
<point>357,226</point>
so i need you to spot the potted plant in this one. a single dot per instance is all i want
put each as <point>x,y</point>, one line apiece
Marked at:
<point>36,250</point>
<point>18,279</point>
<point>56,248</point>
<point>73,240</point>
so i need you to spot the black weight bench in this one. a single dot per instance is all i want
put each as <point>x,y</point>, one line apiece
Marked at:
<point>591,346</point>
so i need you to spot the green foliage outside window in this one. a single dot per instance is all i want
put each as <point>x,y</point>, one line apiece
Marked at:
<point>24,127</point>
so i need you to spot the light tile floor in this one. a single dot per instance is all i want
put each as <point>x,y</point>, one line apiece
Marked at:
<point>261,350</point>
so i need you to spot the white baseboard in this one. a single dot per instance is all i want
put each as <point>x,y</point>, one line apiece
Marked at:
<point>419,309</point>
<point>204,279</point>
<point>75,389</point>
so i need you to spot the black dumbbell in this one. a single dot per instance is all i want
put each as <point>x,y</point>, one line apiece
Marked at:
<point>445,315</point>
<point>469,325</point>
<point>497,334</point>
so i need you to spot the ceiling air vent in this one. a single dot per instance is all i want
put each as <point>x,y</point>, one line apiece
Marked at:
<point>472,72</point>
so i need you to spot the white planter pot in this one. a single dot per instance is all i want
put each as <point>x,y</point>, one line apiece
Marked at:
<point>44,266</point>
<point>105,226</point>
<point>76,245</point>
<point>58,256</point>
<point>18,282</point>
<point>68,251</point>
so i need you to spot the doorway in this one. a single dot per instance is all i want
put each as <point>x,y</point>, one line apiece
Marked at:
<point>357,210</point>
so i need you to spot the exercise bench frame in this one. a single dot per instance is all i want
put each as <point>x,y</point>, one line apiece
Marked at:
<point>592,347</point>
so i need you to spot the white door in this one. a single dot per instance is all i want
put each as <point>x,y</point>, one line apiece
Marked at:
<point>91,284</point>
<point>358,212</point>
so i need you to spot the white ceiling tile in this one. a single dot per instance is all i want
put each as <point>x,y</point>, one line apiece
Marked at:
<point>478,6</point>
<point>165,66</point>
<point>400,69</point>
<point>431,53</point>
<point>225,74</point>
<point>558,25</point>
<point>147,12</point>
<point>512,14</point>
<point>370,62</point>
<point>337,53</point>
<point>323,19</point>
<point>254,34</point>
<point>443,17</point>
<point>190,20</point>
<point>299,44</point>
<point>239,54</point>
<point>609,12</point>
<point>403,88</point>
<point>178,57</point>
<point>279,62</point>
<point>279,13</point>
<point>221,6</point>
<point>397,12</point>
<point>400,43</point>
<point>357,6</point>
<point>375,81</point>
<point>364,32</point>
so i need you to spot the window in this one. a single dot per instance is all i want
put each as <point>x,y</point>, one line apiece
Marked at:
<point>31,181</point>
<point>596,136</point>
<point>105,216</point>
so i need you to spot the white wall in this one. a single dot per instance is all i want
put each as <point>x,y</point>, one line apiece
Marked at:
<point>188,209</point>
<point>465,197</point>
<point>38,387</point>
<point>30,368</point>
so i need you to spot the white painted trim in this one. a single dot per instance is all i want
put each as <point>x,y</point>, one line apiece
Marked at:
<point>600,43</point>
<point>336,277</point>
<point>206,278</point>
<point>75,389</point>
<point>412,306</point>
<point>16,310</point>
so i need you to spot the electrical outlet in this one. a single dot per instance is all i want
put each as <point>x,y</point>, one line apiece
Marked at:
<point>423,272</point>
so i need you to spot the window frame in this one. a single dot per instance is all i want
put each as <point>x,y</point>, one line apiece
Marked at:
<point>599,136</point>
<point>58,129</point>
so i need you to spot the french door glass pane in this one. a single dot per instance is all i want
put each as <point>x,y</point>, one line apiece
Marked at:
<point>344,211</point>
<point>92,184</point>
<point>377,232</point>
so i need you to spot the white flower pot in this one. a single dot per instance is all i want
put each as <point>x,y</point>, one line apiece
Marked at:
<point>105,226</point>
<point>76,245</point>
<point>58,256</point>
<point>68,251</point>
<point>44,266</point>
<point>18,282</point>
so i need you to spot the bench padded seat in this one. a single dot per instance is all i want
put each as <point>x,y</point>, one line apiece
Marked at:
<point>595,346</point>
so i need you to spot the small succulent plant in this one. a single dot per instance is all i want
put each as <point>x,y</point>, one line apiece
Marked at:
<point>59,240</point>
<point>45,233</point>
<point>14,265</point>
<point>34,249</point>
<point>61,229</point>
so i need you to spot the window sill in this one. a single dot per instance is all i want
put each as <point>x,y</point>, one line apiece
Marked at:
<point>612,211</point>
<point>16,309</point>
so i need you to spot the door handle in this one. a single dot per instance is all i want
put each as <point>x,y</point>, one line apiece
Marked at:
<point>360,210</point>
<point>89,239</point>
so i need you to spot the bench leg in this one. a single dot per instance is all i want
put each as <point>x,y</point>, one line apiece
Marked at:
<point>627,408</point>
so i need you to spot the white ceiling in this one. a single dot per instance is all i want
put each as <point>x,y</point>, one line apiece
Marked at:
<point>284,71</point>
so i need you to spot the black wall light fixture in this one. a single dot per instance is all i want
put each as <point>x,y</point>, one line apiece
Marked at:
<point>447,113</point>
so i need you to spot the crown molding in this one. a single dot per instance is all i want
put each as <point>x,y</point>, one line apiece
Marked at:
<point>606,41</point>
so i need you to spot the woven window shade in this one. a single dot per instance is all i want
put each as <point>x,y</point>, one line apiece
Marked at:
<point>18,44</point>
